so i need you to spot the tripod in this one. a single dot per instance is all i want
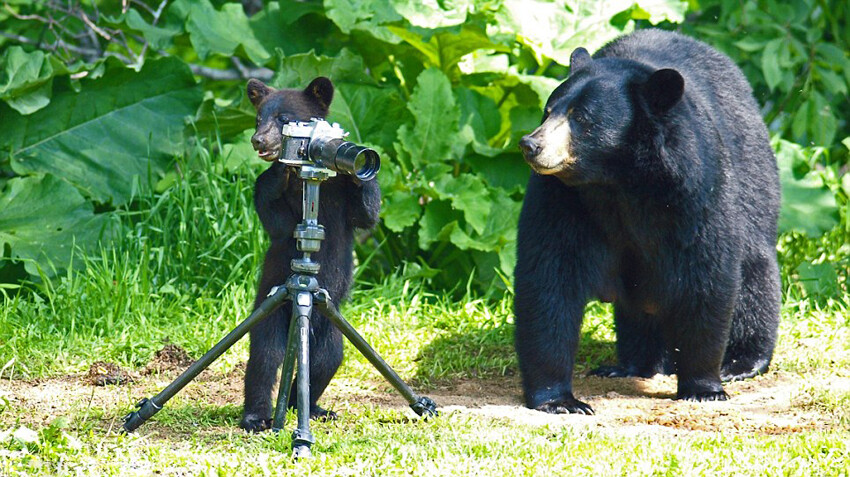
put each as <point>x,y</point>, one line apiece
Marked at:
<point>303,290</point>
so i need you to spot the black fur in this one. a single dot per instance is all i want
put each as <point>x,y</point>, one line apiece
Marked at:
<point>666,204</point>
<point>345,204</point>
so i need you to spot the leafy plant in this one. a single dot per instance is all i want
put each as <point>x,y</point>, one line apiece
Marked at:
<point>100,96</point>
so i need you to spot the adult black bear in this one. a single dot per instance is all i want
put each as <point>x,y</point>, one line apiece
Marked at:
<point>655,188</point>
<point>344,204</point>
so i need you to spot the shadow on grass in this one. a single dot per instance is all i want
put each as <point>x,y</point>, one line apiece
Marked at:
<point>489,352</point>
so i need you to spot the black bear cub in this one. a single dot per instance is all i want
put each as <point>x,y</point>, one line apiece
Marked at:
<point>654,188</point>
<point>345,204</point>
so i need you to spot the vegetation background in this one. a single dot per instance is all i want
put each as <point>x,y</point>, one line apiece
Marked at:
<point>126,174</point>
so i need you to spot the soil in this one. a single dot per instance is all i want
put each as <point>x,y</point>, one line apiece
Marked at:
<point>769,404</point>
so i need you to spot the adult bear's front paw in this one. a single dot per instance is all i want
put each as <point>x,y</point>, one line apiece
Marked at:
<point>564,405</point>
<point>703,396</point>
<point>701,390</point>
<point>254,423</point>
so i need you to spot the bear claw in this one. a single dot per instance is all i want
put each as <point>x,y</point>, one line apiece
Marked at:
<point>703,396</point>
<point>566,405</point>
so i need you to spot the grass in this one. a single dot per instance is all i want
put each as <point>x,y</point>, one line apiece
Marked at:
<point>184,272</point>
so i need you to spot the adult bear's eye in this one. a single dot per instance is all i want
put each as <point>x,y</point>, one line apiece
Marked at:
<point>577,115</point>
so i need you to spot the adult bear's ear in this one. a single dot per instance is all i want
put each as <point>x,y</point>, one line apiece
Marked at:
<point>579,59</point>
<point>663,90</point>
<point>322,91</point>
<point>257,91</point>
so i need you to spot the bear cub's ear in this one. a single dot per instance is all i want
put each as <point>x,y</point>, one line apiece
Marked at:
<point>257,91</point>
<point>579,58</point>
<point>321,90</point>
<point>663,90</point>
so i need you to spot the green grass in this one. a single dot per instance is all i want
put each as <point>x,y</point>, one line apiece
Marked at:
<point>185,272</point>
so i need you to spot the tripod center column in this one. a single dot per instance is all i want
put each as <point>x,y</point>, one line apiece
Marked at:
<point>309,233</point>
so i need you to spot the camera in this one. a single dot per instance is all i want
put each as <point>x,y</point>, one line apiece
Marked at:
<point>320,143</point>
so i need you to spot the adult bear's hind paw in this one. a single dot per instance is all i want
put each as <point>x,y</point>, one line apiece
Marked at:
<point>565,405</point>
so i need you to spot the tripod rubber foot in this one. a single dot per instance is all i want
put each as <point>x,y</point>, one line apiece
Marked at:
<point>301,452</point>
<point>147,408</point>
<point>425,406</point>
<point>301,442</point>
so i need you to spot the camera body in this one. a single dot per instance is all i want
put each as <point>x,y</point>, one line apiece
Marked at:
<point>320,143</point>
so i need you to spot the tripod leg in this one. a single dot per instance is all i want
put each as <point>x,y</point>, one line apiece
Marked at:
<point>422,405</point>
<point>286,377</point>
<point>302,438</point>
<point>149,407</point>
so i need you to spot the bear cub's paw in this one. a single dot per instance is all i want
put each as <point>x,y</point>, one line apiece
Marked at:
<point>564,405</point>
<point>253,423</point>
<point>320,414</point>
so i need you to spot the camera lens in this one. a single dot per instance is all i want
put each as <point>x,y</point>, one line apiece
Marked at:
<point>359,161</point>
<point>346,157</point>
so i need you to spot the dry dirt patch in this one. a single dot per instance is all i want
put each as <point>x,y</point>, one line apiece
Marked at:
<point>765,405</point>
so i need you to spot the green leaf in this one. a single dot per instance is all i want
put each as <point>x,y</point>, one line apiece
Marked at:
<point>445,49</point>
<point>479,121</point>
<point>402,210</point>
<point>117,130</point>
<point>43,218</point>
<point>468,193</point>
<point>433,13</point>
<point>159,37</point>
<point>292,10</point>
<point>750,44</point>
<point>223,117</point>
<point>506,171</point>
<point>433,106</point>
<point>818,280</point>
<point>297,71</point>
<point>807,204</point>
<point>553,29</point>
<point>287,25</point>
<point>26,79</point>
<point>370,17</point>
<point>770,63</point>
<point>657,11</point>
<point>834,82</point>
<point>437,223</point>
<point>222,31</point>
<point>369,113</point>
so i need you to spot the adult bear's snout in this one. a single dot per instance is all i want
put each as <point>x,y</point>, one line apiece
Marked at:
<point>530,147</point>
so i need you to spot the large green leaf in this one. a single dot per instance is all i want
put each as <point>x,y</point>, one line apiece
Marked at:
<point>222,31</point>
<point>402,210</point>
<point>553,29</point>
<point>368,16</point>
<point>445,49</point>
<point>296,71</point>
<point>807,205</point>
<point>468,193</point>
<point>158,36</point>
<point>433,13</point>
<point>116,130</point>
<point>369,113</point>
<point>42,220</point>
<point>436,115</point>
<point>290,27</point>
